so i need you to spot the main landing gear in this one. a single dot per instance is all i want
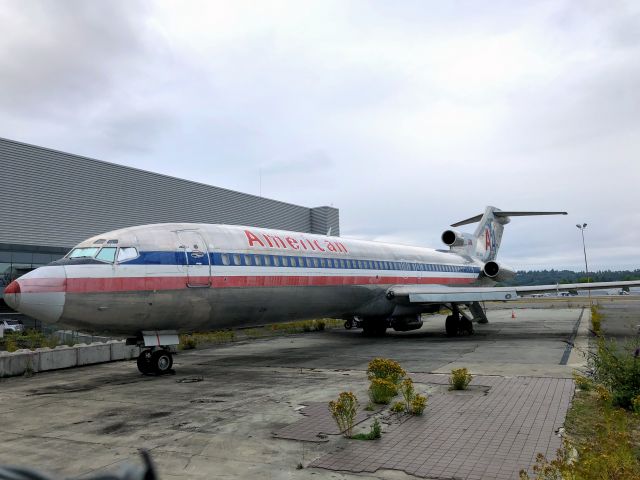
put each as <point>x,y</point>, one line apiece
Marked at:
<point>457,323</point>
<point>155,361</point>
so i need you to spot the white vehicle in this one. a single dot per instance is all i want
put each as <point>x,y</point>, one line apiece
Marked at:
<point>153,281</point>
<point>10,325</point>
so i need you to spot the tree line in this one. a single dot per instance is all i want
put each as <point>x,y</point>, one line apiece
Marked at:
<point>550,277</point>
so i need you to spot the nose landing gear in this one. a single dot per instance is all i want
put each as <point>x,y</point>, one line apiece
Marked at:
<point>155,350</point>
<point>155,361</point>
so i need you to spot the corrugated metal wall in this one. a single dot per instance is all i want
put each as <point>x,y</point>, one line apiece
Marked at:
<point>51,198</point>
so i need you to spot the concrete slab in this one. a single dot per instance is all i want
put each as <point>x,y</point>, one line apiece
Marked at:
<point>215,417</point>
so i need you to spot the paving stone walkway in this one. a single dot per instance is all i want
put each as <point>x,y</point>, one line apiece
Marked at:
<point>316,424</point>
<point>467,436</point>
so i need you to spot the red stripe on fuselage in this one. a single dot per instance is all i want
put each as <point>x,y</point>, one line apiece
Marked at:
<point>41,285</point>
<point>133,284</point>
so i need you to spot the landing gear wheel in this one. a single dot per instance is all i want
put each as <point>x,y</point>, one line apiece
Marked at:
<point>451,326</point>
<point>144,362</point>
<point>348,324</point>
<point>162,361</point>
<point>466,326</point>
<point>372,328</point>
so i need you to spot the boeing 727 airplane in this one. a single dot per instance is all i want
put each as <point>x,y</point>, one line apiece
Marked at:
<point>152,281</point>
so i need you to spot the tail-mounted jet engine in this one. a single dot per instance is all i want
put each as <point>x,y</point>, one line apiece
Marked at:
<point>497,272</point>
<point>456,239</point>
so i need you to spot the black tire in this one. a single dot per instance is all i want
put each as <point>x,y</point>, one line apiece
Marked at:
<point>466,326</point>
<point>348,324</point>
<point>144,362</point>
<point>451,326</point>
<point>162,361</point>
<point>374,328</point>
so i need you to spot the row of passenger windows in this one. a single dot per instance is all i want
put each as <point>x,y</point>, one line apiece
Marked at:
<point>235,259</point>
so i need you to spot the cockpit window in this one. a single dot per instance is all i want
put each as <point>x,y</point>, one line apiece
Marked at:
<point>107,254</point>
<point>126,253</point>
<point>88,252</point>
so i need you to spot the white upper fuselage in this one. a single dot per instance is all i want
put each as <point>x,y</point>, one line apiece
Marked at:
<point>189,276</point>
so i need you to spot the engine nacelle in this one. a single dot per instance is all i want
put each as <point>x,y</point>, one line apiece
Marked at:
<point>406,323</point>
<point>498,273</point>
<point>456,239</point>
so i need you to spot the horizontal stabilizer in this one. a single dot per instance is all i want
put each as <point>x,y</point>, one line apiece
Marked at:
<point>501,214</point>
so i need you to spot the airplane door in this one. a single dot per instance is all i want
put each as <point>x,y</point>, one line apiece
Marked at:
<point>196,258</point>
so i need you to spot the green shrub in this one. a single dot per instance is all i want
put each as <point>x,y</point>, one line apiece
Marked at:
<point>582,382</point>
<point>398,407</point>
<point>418,404</point>
<point>344,412</point>
<point>596,320</point>
<point>384,368</point>
<point>618,369</point>
<point>188,342</point>
<point>459,379</point>
<point>382,390</point>
<point>10,344</point>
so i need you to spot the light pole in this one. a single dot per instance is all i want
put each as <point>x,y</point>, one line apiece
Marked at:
<point>584,249</point>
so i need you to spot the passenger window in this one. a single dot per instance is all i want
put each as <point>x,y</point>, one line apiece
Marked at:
<point>247,260</point>
<point>315,262</point>
<point>323,263</point>
<point>267,261</point>
<point>258,260</point>
<point>285,261</point>
<point>224,257</point>
<point>107,254</point>
<point>276,261</point>
<point>237,260</point>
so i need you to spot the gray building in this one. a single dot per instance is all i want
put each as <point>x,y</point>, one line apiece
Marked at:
<point>52,200</point>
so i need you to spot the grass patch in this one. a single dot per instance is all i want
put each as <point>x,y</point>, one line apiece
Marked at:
<point>374,433</point>
<point>596,320</point>
<point>603,424</point>
<point>603,442</point>
<point>192,340</point>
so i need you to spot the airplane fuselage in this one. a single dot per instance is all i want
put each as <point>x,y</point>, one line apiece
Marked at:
<point>197,277</point>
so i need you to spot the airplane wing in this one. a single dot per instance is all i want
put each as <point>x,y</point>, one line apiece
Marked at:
<point>449,294</point>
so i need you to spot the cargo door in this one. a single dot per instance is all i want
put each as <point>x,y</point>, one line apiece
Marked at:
<point>196,257</point>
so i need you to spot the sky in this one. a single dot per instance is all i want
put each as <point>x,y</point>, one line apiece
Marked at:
<point>407,116</point>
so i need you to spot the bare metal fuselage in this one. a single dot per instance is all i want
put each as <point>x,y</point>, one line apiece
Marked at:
<point>195,277</point>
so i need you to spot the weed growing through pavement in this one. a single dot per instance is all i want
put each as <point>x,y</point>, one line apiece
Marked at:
<point>459,379</point>
<point>344,412</point>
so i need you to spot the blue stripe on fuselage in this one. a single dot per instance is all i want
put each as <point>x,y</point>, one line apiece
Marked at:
<point>294,261</point>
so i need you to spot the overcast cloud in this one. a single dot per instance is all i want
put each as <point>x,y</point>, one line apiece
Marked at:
<point>407,116</point>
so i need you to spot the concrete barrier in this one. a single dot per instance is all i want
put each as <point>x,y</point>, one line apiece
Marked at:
<point>43,359</point>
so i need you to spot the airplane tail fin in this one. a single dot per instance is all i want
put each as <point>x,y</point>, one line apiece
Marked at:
<point>486,239</point>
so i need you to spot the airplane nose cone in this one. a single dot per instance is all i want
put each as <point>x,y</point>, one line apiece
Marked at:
<point>39,294</point>
<point>12,294</point>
